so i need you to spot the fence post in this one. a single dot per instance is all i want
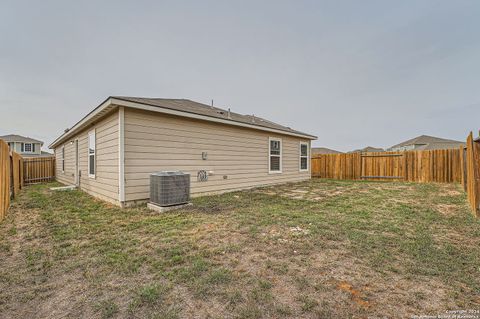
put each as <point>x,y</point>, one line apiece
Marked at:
<point>4,179</point>
<point>463,154</point>
<point>473,174</point>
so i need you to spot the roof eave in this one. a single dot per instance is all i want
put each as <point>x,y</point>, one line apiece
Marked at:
<point>87,119</point>
<point>112,102</point>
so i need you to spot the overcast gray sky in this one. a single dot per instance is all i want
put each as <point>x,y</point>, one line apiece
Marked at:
<point>354,73</point>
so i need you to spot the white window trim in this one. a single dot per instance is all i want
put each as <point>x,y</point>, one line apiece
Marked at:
<point>62,154</point>
<point>92,132</point>
<point>25,147</point>
<point>269,155</point>
<point>300,157</point>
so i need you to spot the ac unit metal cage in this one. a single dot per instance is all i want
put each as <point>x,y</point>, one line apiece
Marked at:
<point>169,188</point>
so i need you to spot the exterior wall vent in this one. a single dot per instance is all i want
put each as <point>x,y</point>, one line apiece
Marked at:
<point>168,188</point>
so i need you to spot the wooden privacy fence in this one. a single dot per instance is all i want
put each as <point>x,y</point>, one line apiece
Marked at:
<point>38,169</point>
<point>4,179</point>
<point>443,166</point>
<point>472,174</point>
<point>11,177</point>
<point>15,171</point>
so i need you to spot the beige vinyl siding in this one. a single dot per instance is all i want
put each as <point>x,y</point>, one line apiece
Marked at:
<point>155,142</point>
<point>67,176</point>
<point>105,183</point>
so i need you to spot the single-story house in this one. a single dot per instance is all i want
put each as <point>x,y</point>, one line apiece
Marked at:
<point>112,151</point>
<point>323,150</point>
<point>426,142</point>
<point>25,146</point>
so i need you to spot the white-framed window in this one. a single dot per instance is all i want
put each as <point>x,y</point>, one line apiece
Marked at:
<point>303,156</point>
<point>274,155</point>
<point>91,154</point>
<point>28,147</point>
<point>62,159</point>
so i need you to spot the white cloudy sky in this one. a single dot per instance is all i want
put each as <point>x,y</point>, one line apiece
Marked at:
<point>354,73</point>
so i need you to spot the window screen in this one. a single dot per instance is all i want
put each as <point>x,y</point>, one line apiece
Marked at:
<point>303,156</point>
<point>275,155</point>
<point>91,154</point>
<point>63,159</point>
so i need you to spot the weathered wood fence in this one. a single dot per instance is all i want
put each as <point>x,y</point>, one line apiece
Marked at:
<point>4,179</point>
<point>11,177</point>
<point>16,171</point>
<point>444,166</point>
<point>16,174</point>
<point>38,169</point>
<point>472,174</point>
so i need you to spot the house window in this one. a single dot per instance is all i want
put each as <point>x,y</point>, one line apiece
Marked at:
<point>91,154</point>
<point>62,159</point>
<point>275,155</point>
<point>303,156</point>
<point>28,148</point>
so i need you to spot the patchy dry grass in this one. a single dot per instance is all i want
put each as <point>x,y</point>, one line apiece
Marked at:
<point>317,249</point>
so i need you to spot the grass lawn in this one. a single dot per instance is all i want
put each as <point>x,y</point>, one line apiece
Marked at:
<point>316,249</point>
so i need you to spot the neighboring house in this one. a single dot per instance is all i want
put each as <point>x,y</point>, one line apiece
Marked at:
<point>323,150</point>
<point>112,151</point>
<point>26,146</point>
<point>368,149</point>
<point>425,142</point>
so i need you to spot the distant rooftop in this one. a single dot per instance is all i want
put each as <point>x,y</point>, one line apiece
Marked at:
<point>19,138</point>
<point>430,143</point>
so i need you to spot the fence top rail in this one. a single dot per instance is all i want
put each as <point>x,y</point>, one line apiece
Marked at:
<point>384,155</point>
<point>387,153</point>
<point>390,177</point>
<point>42,159</point>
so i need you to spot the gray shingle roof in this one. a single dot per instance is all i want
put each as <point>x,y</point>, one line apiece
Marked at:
<point>19,138</point>
<point>193,107</point>
<point>426,139</point>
